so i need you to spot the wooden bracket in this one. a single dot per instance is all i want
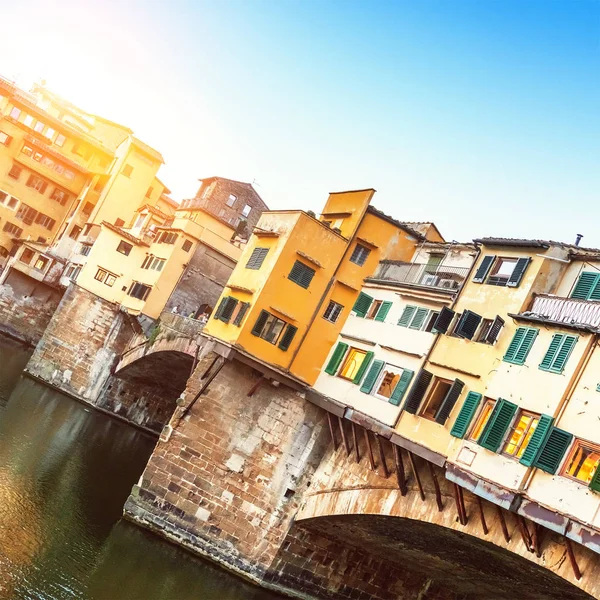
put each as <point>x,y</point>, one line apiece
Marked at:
<point>370,451</point>
<point>503,524</point>
<point>436,485</point>
<point>460,504</point>
<point>355,442</point>
<point>386,472</point>
<point>400,474</point>
<point>344,438</point>
<point>331,430</point>
<point>482,516</point>
<point>413,466</point>
<point>572,559</point>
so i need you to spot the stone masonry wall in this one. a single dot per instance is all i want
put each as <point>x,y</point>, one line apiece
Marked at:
<point>25,317</point>
<point>80,344</point>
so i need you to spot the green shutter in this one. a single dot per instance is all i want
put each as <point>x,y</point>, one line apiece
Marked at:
<point>511,351</point>
<point>371,377</point>
<point>515,277</point>
<point>443,412</point>
<point>595,482</point>
<point>553,450</point>
<point>220,308</point>
<point>499,421</point>
<point>228,308</point>
<point>465,416</point>
<point>484,267</point>
<point>401,387</point>
<point>407,315</point>
<point>537,440</point>
<point>520,345</point>
<point>361,306</point>
<point>363,367</point>
<point>419,318</point>
<point>287,337</point>
<point>383,311</point>
<point>558,352</point>
<point>336,358</point>
<point>260,322</point>
<point>417,392</point>
<point>586,285</point>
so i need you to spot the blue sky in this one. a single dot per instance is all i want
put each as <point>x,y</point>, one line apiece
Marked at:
<point>481,115</point>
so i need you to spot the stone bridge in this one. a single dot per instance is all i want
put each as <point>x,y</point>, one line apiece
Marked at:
<point>312,499</point>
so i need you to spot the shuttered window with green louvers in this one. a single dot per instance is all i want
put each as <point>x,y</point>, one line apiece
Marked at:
<point>419,318</point>
<point>260,322</point>
<point>468,325</point>
<point>497,425</point>
<point>553,450</point>
<point>362,304</point>
<point>241,313</point>
<point>443,412</point>
<point>363,367</point>
<point>401,387</point>
<point>372,376</point>
<point>483,268</point>
<point>595,481</point>
<point>383,311</point>
<point>407,315</point>
<point>466,414</point>
<point>519,271</point>
<point>520,345</point>
<point>228,306</point>
<point>257,258</point>
<point>301,274</point>
<point>558,352</point>
<point>587,286</point>
<point>417,392</point>
<point>336,358</point>
<point>287,337</point>
<point>538,439</point>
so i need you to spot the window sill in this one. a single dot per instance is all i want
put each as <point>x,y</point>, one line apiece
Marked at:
<point>513,362</point>
<point>556,372</point>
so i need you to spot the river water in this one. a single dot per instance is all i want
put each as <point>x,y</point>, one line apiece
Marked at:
<point>65,473</point>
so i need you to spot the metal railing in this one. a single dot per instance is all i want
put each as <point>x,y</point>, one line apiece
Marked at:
<point>436,276</point>
<point>566,310</point>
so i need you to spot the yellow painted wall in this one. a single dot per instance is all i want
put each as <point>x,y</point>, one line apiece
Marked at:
<point>354,202</point>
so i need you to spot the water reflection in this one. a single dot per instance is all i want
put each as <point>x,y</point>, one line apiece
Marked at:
<point>65,472</point>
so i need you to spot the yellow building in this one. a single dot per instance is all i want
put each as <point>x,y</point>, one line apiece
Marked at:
<point>299,277</point>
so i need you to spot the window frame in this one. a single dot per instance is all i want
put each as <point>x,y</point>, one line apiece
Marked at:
<point>270,324</point>
<point>429,396</point>
<point>360,254</point>
<point>379,380</point>
<point>231,200</point>
<point>124,248</point>
<point>246,211</point>
<point>333,308</point>
<point>373,309</point>
<point>526,437</point>
<point>476,422</point>
<point>303,270</point>
<point>551,368</point>
<point>502,281</point>
<point>7,139</point>
<point>346,360</point>
<point>577,443</point>
<point>187,245</point>
<point>127,170</point>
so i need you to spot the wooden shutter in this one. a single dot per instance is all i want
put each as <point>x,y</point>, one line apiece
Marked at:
<point>217,312</point>
<point>465,416</point>
<point>401,387</point>
<point>586,285</point>
<point>417,392</point>
<point>564,352</point>
<point>383,311</point>
<point>363,367</point>
<point>362,304</point>
<point>499,421</point>
<point>537,440</point>
<point>419,318</point>
<point>443,321</point>
<point>407,315</point>
<point>241,313</point>
<point>553,450</point>
<point>336,357</point>
<point>228,308</point>
<point>595,482</point>
<point>287,337</point>
<point>494,331</point>
<point>260,322</point>
<point>520,345</point>
<point>515,278</point>
<point>301,274</point>
<point>256,258</point>
<point>468,325</point>
<point>371,377</point>
<point>483,269</point>
<point>552,351</point>
<point>443,412</point>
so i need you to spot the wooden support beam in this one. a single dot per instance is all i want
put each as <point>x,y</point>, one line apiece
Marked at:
<point>413,466</point>
<point>370,451</point>
<point>212,364</point>
<point>525,536</point>
<point>400,474</point>
<point>386,473</point>
<point>436,485</point>
<point>535,541</point>
<point>355,440</point>
<point>461,495</point>
<point>331,430</point>
<point>255,387</point>
<point>572,559</point>
<point>503,524</point>
<point>460,504</point>
<point>344,438</point>
<point>482,516</point>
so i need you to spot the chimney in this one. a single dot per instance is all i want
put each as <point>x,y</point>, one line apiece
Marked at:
<point>578,239</point>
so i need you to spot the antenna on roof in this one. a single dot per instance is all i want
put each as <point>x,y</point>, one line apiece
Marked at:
<point>578,238</point>
<point>255,182</point>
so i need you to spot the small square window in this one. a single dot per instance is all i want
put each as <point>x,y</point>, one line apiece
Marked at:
<point>352,363</point>
<point>501,271</point>
<point>60,140</point>
<point>41,263</point>
<point>39,127</point>
<point>124,248</point>
<point>387,382</point>
<point>360,255</point>
<point>28,120</point>
<point>434,400</point>
<point>75,232</point>
<point>15,113</point>
<point>27,256</point>
<point>127,170</point>
<point>582,462</point>
<point>272,329</point>
<point>333,311</point>
<point>100,275</point>
<point>246,210</point>
<point>520,433</point>
<point>49,133</point>
<point>119,222</point>
<point>374,309</point>
<point>186,246</point>
<point>15,172</point>
<point>5,139</point>
<point>27,150</point>
<point>231,200</point>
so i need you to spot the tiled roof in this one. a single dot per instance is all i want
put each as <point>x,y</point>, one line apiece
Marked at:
<point>525,243</point>
<point>125,234</point>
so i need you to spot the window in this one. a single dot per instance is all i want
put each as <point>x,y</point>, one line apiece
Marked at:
<point>5,139</point>
<point>239,313</point>
<point>39,127</point>
<point>127,170</point>
<point>45,221</point>
<point>15,112</point>
<point>587,286</point>
<point>362,304</point>
<point>486,325</point>
<point>119,222</point>
<point>124,248</point>
<point>28,120</point>
<point>149,192</point>
<point>373,309</point>
<point>75,231</point>
<point>41,263</point>
<point>501,271</point>
<point>27,256</point>
<point>85,250</point>
<point>231,200</point>
<point>437,394</point>
<point>246,210</point>
<point>301,274</point>
<point>157,264</point>
<point>414,317</point>
<point>268,327</point>
<point>60,196</point>
<point>558,352</point>
<point>100,275</point>
<point>430,322</point>
<point>352,363</point>
<point>49,133</point>
<point>15,172</point>
<point>257,258</point>
<point>387,381</point>
<point>37,183</point>
<point>27,150</point>
<point>582,462</point>
<point>41,239</point>
<point>87,209</point>
<point>69,174</point>
<point>186,246</point>
<point>26,214</point>
<point>60,140</point>
<point>37,156</point>
<point>520,433</point>
<point>105,277</point>
<point>482,419</point>
<point>139,290</point>
<point>520,345</point>
<point>48,162</point>
<point>12,229</point>
<point>167,237</point>
<point>222,213</point>
<point>12,203</point>
<point>360,255</point>
<point>452,330</point>
<point>333,311</point>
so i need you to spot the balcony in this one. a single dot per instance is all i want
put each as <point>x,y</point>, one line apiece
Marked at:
<point>440,277</point>
<point>581,313</point>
